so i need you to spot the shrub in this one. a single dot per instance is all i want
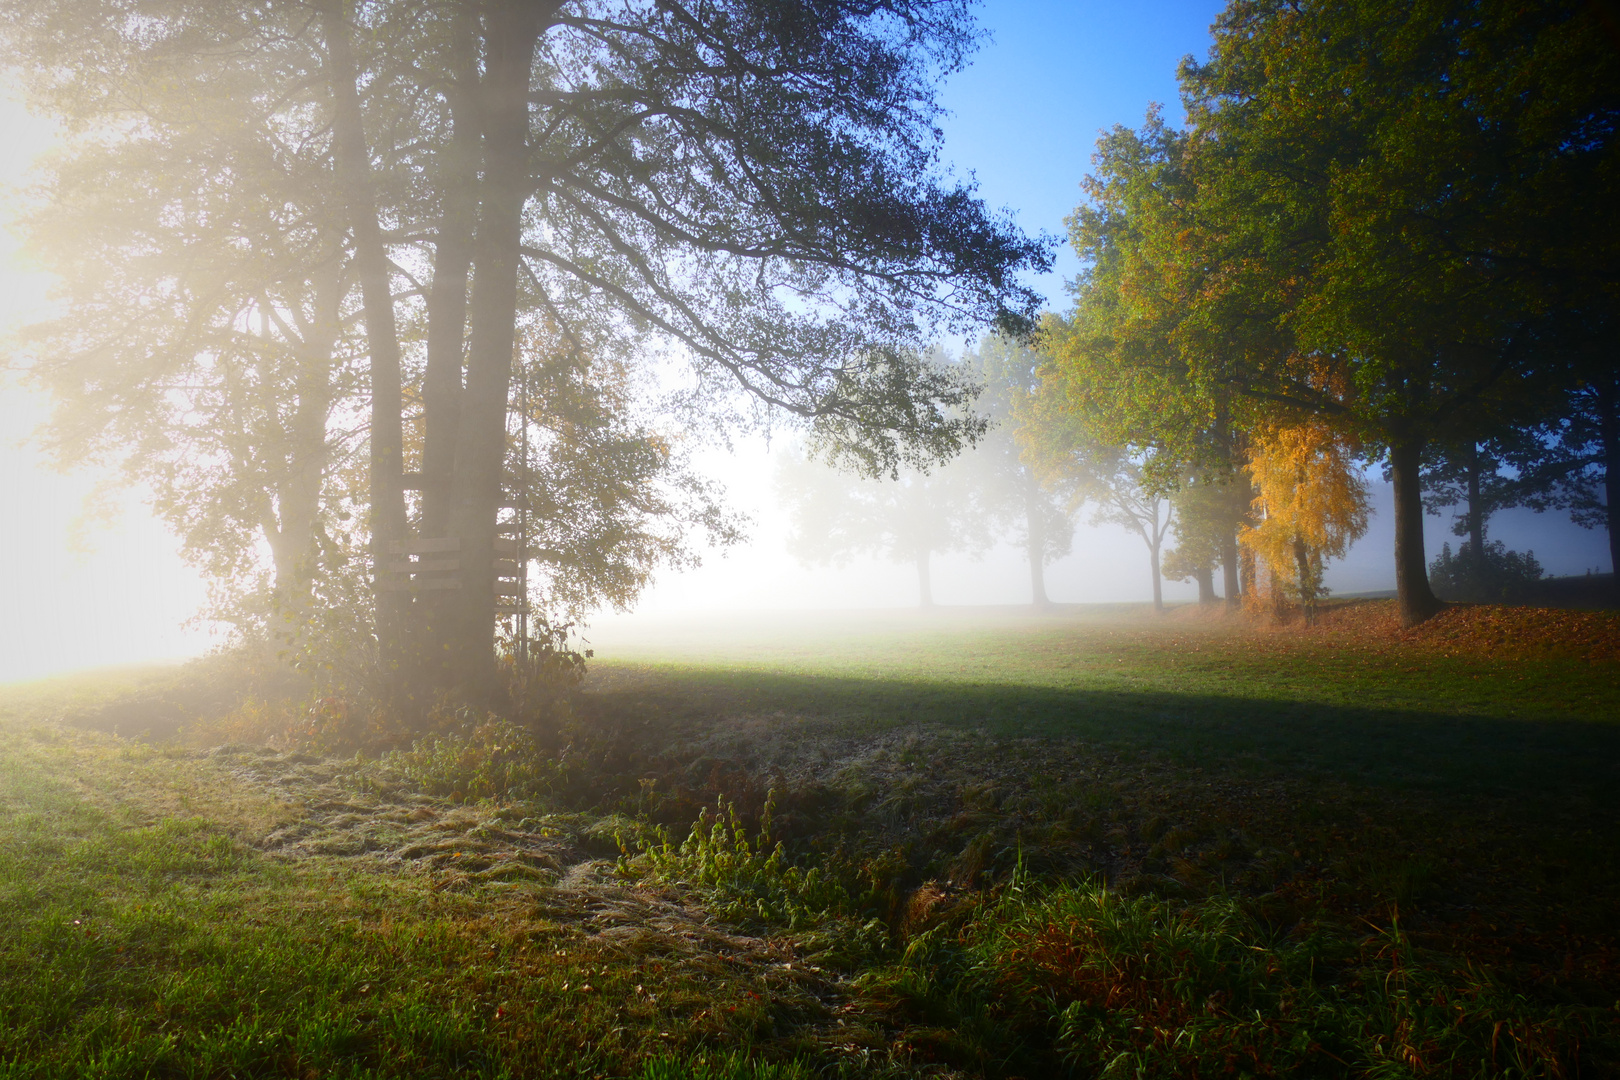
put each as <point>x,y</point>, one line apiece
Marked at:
<point>1502,575</point>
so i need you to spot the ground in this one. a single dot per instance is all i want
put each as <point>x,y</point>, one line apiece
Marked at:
<point>1012,844</point>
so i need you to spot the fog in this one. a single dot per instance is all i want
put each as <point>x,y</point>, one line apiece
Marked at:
<point>1108,564</point>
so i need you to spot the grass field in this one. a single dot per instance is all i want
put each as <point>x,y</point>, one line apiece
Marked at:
<point>970,843</point>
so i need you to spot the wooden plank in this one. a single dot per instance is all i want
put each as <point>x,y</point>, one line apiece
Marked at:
<point>413,481</point>
<point>506,545</point>
<point>426,546</point>
<point>508,568</point>
<point>400,583</point>
<point>511,609</point>
<point>423,567</point>
<point>509,588</point>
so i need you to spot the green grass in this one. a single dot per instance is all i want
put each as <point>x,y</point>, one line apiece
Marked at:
<point>1331,706</point>
<point>139,944</point>
<point>1091,844</point>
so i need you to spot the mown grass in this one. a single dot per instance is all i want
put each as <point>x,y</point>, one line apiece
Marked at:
<point>1011,846</point>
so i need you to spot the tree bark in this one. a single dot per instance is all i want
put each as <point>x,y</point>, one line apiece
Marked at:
<point>447,296</point>
<point>510,32</point>
<point>925,584</point>
<point>352,162</point>
<point>1231,579</point>
<point>1416,600</point>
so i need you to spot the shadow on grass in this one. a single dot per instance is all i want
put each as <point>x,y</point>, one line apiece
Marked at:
<point>1552,762</point>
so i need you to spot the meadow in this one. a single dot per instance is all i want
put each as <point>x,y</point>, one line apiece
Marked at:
<point>964,843</point>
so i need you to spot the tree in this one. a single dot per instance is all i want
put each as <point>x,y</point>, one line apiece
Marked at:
<point>205,343</point>
<point>1573,462</point>
<point>754,183</point>
<point>906,519</point>
<point>1037,517</point>
<point>1207,510</point>
<point>1117,364</point>
<point>1390,190</point>
<point>1469,475</point>
<point>1124,489</point>
<point>1311,504</point>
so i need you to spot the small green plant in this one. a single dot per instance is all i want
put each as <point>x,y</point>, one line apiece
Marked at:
<point>481,757</point>
<point>745,878</point>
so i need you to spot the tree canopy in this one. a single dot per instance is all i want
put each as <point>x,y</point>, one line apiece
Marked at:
<point>748,190</point>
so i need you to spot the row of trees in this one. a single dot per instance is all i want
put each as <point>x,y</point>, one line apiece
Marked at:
<point>351,277</point>
<point>1389,232</point>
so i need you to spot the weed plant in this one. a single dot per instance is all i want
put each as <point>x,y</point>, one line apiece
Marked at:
<point>750,880</point>
<point>480,756</point>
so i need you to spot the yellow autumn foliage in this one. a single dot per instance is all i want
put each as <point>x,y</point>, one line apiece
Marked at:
<point>1310,503</point>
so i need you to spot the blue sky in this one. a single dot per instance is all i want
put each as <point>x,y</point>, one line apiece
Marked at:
<point>1026,114</point>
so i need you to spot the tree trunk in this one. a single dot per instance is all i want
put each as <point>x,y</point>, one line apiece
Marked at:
<point>446,338</point>
<point>1307,582</point>
<point>1476,514</point>
<point>1230,569</point>
<point>925,585</point>
<point>298,496</point>
<point>511,30</point>
<point>1237,500</point>
<point>1205,576</point>
<point>1417,601</point>
<point>1608,397</point>
<point>1034,528</point>
<point>352,161</point>
<point>1158,578</point>
<point>447,296</point>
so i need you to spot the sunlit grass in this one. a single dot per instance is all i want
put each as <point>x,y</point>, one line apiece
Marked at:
<point>142,945</point>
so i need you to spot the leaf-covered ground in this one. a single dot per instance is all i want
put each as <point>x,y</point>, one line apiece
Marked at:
<point>1010,844</point>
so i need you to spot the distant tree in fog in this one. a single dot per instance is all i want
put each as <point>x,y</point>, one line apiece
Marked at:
<point>1034,517</point>
<point>906,518</point>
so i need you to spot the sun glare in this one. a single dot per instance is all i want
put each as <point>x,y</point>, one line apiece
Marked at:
<point>91,579</point>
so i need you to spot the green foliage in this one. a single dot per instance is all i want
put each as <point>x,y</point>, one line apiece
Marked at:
<point>1501,575</point>
<point>745,879</point>
<point>481,757</point>
<point>1151,987</point>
